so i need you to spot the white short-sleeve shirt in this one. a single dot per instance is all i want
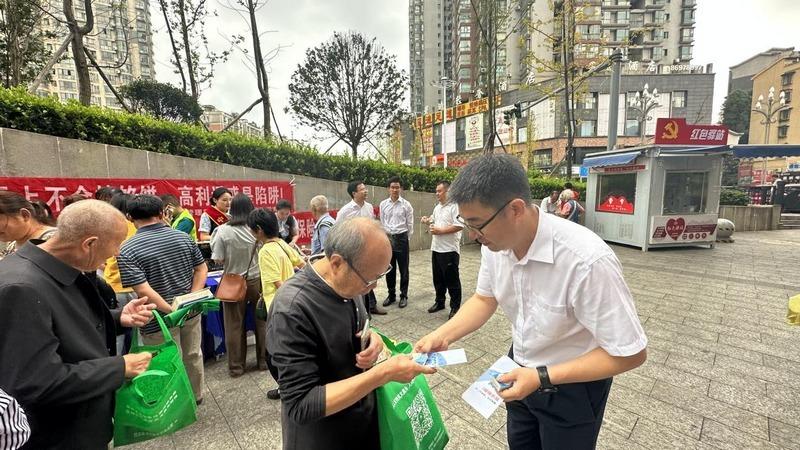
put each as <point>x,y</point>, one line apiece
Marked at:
<point>352,209</point>
<point>564,298</point>
<point>445,216</point>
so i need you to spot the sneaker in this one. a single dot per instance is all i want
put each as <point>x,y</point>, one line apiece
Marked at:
<point>436,307</point>
<point>389,300</point>
<point>403,302</point>
<point>274,394</point>
<point>377,311</point>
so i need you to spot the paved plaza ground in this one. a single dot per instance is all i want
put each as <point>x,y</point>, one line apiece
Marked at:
<point>723,369</point>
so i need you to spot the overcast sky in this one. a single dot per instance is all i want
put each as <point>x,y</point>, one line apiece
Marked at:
<point>727,32</point>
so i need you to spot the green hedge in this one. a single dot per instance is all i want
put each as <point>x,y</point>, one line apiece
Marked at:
<point>46,115</point>
<point>733,197</point>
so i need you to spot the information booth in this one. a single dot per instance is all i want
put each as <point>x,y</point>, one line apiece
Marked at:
<point>655,196</point>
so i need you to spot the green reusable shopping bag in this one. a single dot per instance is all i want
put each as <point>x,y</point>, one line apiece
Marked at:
<point>158,402</point>
<point>179,316</point>
<point>408,417</point>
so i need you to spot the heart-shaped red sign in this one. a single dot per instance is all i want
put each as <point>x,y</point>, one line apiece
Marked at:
<point>675,227</point>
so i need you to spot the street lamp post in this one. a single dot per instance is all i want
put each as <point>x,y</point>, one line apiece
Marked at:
<point>643,103</point>
<point>444,84</point>
<point>769,114</point>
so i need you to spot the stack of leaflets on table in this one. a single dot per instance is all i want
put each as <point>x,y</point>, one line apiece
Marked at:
<point>482,395</point>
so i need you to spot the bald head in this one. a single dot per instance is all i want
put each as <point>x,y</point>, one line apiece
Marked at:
<point>89,218</point>
<point>354,238</point>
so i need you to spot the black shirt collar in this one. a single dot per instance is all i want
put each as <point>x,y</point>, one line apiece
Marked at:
<point>61,272</point>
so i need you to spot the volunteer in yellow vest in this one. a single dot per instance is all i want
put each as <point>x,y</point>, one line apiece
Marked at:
<point>182,219</point>
<point>276,261</point>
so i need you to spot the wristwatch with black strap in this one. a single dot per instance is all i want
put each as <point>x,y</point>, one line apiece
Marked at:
<point>545,386</point>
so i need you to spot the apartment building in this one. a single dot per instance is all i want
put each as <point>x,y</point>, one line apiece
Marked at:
<point>217,120</point>
<point>783,77</point>
<point>121,42</point>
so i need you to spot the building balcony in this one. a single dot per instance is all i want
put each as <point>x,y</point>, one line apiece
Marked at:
<point>689,3</point>
<point>615,23</point>
<point>686,39</point>
<point>654,4</point>
<point>687,21</point>
<point>623,4</point>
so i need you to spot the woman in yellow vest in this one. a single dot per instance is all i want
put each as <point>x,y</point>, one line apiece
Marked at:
<point>181,219</point>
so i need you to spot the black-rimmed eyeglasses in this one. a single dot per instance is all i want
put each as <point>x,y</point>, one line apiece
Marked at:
<point>368,283</point>
<point>479,228</point>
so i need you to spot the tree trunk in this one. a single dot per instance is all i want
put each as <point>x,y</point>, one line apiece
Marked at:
<point>565,43</point>
<point>187,48</point>
<point>261,72</point>
<point>76,34</point>
<point>175,52</point>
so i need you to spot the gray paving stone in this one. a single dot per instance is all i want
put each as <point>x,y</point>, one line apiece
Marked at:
<point>784,435</point>
<point>728,438</point>
<point>722,412</point>
<point>758,404</point>
<point>663,413</point>
<point>655,436</point>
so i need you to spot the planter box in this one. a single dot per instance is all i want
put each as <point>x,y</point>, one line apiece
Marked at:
<point>752,217</point>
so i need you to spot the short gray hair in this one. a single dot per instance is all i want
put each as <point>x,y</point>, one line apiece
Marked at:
<point>319,203</point>
<point>491,180</point>
<point>87,218</point>
<point>348,238</point>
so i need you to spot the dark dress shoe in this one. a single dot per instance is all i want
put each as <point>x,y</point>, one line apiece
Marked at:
<point>453,312</point>
<point>403,302</point>
<point>436,308</point>
<point>377,311</point>
<point>389,301</point>
<point>274,394</point>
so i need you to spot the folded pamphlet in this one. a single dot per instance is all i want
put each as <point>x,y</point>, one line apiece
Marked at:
<point>441,359</point>
<point>482,395</point>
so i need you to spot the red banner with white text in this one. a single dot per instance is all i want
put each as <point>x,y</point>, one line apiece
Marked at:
<point>194,195</point>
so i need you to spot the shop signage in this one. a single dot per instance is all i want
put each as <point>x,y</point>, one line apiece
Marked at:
<point>683,229</point>
<point>675,131</point>
<point>462,110</point>
<point>474,131</point>
<point>615,169</point>
<point>616,204</point>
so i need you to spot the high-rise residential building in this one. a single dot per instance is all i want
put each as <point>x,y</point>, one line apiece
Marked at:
<point>660,32</point>
<point>121,42</point>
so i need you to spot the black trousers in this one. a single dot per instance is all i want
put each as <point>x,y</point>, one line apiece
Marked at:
<point>446,278</point>
<point>399,261</point>
<point>370,301</point>
<point>567,419</point>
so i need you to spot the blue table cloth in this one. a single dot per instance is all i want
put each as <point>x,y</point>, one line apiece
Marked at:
<point>214,325</point>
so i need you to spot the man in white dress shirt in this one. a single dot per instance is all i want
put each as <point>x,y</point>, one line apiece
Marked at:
<point>573,320</point>
<point>445,251</point>
<point>360,207</point>
<point>397,218</point>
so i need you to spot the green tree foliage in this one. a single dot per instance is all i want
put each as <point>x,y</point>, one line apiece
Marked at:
<point>22,111</point>
<point>162,101</point>
<point>734,197</point>
<point>736,112</point>
<point>22,47</point>
<point>348,87</point>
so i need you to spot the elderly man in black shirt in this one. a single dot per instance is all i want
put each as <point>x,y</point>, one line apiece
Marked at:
<point>313,340</point>
<point>58,345</point>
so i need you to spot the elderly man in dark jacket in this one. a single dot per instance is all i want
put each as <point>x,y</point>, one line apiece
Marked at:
<point>57,351</point>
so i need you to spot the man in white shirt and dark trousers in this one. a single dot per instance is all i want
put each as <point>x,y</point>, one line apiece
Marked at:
<point>573,320</point>
<point>445,251</point>
<point>360,207</point>
<point>397,218</point>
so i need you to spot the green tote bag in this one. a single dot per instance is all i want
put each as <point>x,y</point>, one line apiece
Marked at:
<point>158,402</point>
<point>408,417</point>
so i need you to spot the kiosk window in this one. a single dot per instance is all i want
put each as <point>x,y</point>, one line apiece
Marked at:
<point>617,193</point>
<point>685,192</point>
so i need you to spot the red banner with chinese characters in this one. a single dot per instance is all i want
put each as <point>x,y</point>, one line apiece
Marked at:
<point>194,195</point>
<point>677,132</point>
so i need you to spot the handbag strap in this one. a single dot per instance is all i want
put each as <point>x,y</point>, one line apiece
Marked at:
<point>250,263</point>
